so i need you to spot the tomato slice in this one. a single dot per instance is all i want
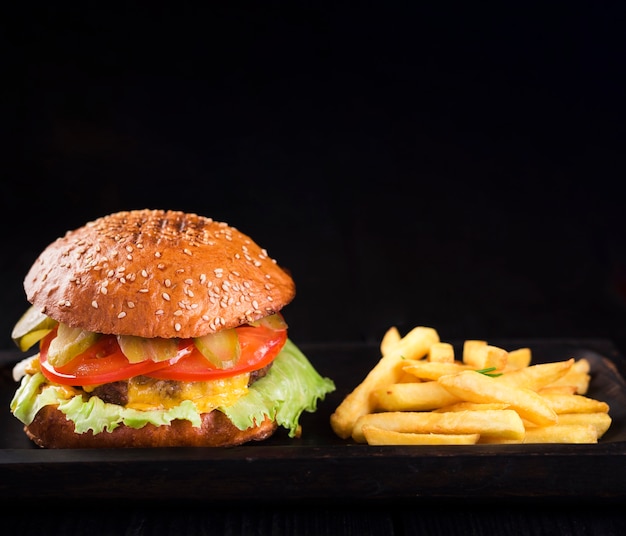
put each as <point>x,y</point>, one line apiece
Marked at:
<point>104,362</point>
<point>259,347</point>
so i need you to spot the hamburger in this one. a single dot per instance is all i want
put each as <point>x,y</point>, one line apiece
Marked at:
<point>157,329</point>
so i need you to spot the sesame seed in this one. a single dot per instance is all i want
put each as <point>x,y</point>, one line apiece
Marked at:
<point>189,281</point>
<point>166,296</point>
<point>144,290</point>
<point>167,283</point>
<point>177,326</point>
<point>121,315</point>
<point>131,304</point>
<point>157,254</point>
<point>144,273</point>
<point>178,312</point>
<point>94,304</point>
<point>103,290</point>
<point>159,312</point>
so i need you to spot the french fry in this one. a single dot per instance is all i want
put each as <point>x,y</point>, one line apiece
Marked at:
<point>414,345</point>
<point>558,390</point>
<point>417,396</point>
<point>574,404</point>
<point>389,340</point>
<point>562,433</point>
<point>535,377</point>
<point>431,370</point>
<point>505,423</point>
<point>484,440</point>
<point>600,420</point>
<point>480,355</point>
<point>471,349</point>
<point>441,352</point>
<point>577,376</point>
<point>463,406</point>
<point>475,387</point>
<point>379,436</point>
<point>518,358</point>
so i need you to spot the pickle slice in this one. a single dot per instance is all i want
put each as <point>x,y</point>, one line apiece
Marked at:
<point>69,343</point>
<point>275,322</point>
<point>221,349</point>
<point>138,349</point>
<point>32,326</point>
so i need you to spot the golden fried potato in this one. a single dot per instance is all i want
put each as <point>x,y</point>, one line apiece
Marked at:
<point>388,370</point>
<point>475,387</point>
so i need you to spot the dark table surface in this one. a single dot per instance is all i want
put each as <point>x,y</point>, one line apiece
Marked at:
<point>451,167</point>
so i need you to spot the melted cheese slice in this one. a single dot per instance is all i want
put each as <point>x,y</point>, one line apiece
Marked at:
<point>149,393</point>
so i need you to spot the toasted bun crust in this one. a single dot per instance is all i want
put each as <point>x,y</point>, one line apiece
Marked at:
<point>156,273</point>
<point>51,429</point>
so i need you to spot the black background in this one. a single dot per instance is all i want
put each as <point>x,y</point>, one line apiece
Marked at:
<point>457,167</point>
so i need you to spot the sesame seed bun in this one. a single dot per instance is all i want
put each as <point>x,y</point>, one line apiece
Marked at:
<point>51,429</point>
<point>155,273</point>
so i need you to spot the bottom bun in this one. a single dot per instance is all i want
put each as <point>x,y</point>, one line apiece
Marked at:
<point>51,429</point>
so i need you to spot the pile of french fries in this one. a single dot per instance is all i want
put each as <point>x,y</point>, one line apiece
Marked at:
<point>420,393</point>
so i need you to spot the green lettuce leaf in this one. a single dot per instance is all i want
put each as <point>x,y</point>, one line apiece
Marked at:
<point>290,387</point>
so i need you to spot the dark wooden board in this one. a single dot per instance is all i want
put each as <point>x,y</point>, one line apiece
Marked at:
<point>320,466</point>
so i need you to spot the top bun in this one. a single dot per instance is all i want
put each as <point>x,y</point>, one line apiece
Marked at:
<point>156,273</point>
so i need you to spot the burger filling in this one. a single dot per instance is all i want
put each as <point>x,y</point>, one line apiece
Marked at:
<point>144,392</point>
<point>252,372</point>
